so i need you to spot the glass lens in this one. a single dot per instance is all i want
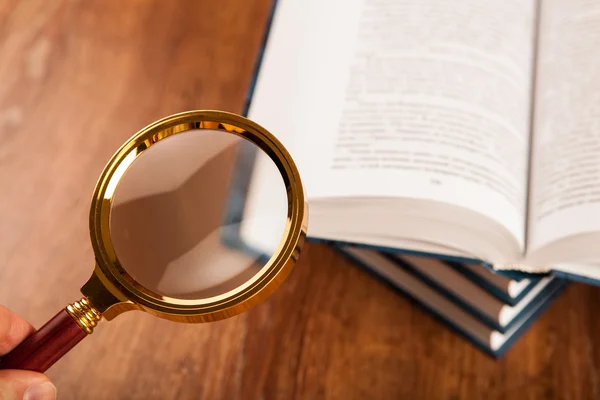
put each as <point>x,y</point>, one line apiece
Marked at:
<point>198,214</point>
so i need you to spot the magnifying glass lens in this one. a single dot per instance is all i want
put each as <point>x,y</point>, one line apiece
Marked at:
<point>198,217</point>
<point>183,223</point>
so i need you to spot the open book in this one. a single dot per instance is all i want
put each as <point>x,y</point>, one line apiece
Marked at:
<point>463,129</point>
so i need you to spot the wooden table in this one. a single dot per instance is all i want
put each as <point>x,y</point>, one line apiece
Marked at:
<point>77,78</point>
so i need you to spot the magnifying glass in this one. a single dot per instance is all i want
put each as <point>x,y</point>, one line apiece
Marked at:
<point>175,232</point>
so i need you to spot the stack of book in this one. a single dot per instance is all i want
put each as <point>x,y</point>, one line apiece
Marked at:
<point>450,148</point>
<point>488,309</point>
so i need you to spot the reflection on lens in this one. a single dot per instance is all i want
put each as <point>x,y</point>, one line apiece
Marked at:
<point>182,223</point>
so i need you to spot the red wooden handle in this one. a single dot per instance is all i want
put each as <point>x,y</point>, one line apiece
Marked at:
<point>43,348</point>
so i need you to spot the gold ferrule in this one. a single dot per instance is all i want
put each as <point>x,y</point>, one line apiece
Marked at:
<point>85,314</point>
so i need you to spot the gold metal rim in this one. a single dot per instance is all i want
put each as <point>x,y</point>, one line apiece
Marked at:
<point>234,301</point>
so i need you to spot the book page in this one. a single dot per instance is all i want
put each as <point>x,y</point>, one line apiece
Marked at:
<point>437,106</point>
<point>303,70</point>
<point>565,199</point>
<point>404,100</point>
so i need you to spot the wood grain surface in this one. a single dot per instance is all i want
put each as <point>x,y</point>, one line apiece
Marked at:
<point>77,78</point>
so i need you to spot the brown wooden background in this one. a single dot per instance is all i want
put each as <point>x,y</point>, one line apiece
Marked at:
<point>77,78</point>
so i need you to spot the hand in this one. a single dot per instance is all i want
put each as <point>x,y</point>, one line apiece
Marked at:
<point>20,384</point>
